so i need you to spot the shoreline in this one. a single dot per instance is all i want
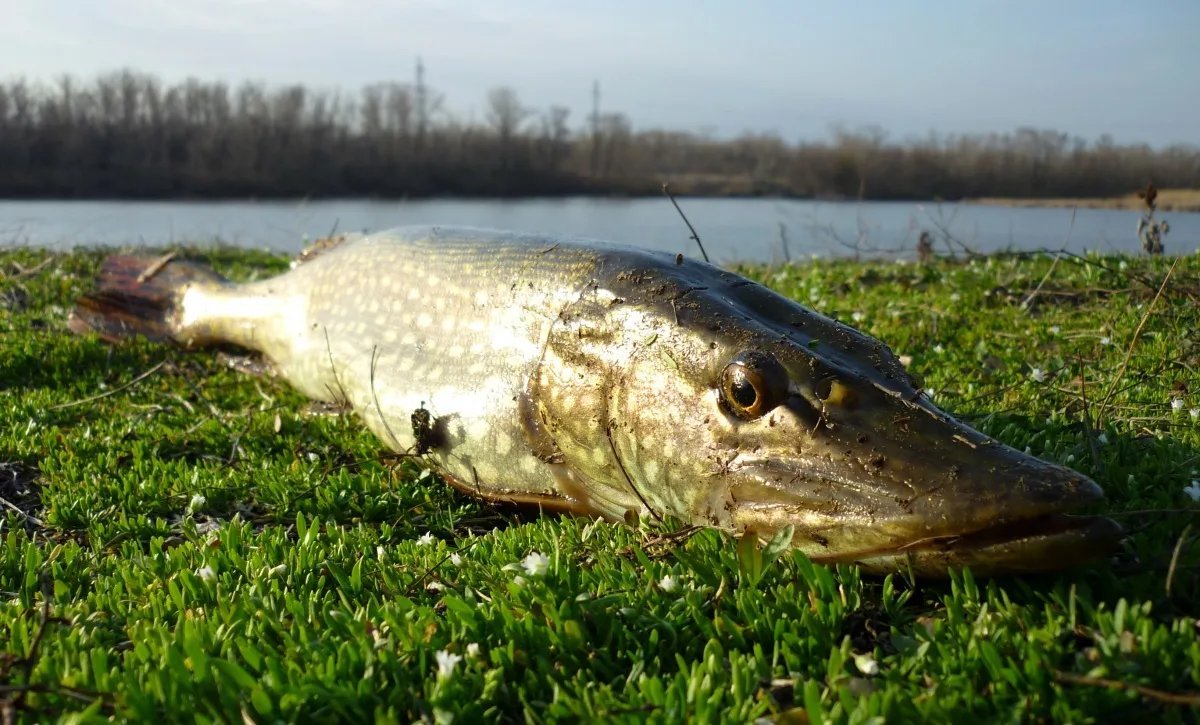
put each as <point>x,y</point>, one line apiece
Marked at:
<point>1169,200</point>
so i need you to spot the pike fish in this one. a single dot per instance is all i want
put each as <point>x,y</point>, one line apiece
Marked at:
<point>607,380</point>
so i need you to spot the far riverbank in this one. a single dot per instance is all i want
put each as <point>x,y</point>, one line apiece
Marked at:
<point>1168,200</point>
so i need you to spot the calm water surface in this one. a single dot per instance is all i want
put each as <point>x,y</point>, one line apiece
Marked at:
<point>731,229</point>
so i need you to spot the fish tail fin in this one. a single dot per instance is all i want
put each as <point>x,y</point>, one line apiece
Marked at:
<point>138,296</point>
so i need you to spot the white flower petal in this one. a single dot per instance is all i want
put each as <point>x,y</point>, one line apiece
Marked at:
<point>446,662</point>
<point>866,664</point>
<point>536,564</point>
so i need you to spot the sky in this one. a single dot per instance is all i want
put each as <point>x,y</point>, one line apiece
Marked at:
<point>1130,69</point>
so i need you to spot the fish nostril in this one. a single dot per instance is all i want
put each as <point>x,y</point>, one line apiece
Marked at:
<point>832,391</point>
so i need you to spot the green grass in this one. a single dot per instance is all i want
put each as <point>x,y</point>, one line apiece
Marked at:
<point>201,545</point>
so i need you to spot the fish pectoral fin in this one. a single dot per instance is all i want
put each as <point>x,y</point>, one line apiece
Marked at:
<point>546,501</point>
<point>537,434</point>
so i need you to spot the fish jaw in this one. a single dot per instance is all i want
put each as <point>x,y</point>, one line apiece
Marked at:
<point>940,496</point>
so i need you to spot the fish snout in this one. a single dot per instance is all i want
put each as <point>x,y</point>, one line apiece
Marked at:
<point>966,500</point>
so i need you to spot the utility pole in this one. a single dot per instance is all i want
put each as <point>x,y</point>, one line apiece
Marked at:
<point>595,127</point>
<point>422,105</point>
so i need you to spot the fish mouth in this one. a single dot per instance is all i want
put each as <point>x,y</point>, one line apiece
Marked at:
<point>991,525</point>
<point>1041,544</point>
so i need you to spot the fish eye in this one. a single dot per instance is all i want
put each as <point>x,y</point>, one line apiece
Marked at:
<point>752,384</point>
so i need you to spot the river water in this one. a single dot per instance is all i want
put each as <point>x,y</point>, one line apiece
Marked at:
<point>764,230</point>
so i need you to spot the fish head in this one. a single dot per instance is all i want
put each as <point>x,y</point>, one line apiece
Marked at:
<point>729,405</point>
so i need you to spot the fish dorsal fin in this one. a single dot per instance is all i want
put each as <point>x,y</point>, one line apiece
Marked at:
<point>322,245</point>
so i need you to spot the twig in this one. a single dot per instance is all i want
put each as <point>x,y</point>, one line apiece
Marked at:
<point>114,391</point>
<point>22,272</point>
<point>1089,429</point>
<point>666,190</point>
<point>28,516</point>
<point>155,267</point>
<point>383,418</point>
<point>617,457</point>
<point>1070,678</point>
<point>29,661</point>
<point>1027,304</point>
<point>332,367</point>
<point>425,574</point>
<point>1132,343</point>
<point>1175,556</point>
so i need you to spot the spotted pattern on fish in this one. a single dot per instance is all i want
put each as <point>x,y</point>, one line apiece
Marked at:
<point>609,380</point>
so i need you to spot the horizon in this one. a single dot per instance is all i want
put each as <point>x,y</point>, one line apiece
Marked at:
<point>1085,69</point>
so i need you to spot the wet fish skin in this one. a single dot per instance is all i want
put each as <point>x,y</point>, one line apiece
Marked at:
<point>603,379</point>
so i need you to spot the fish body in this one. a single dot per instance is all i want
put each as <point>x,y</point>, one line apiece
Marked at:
<point>608,380</point>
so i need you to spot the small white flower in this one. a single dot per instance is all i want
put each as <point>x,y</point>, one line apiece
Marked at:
<point>473,650</point>
<point>536,563</point>
<point>380,553</point>
<point>858,317</point>
<point>1193,491</point>
<point>1195,413</point>
<point>866,664</point>
<point>1038,375</point>
<point>426,539</point>
<point>939,349</point>
<point>668,583</point>
<point>930,392</point>
<point>1123,265</point>
<point>955,297</point>
<point>1177,404</point>
<point>1102,439</point>
<point>519,580</point>
<point>1106,340</point>
<point>206,573</point>
<point>198,502</point>
<point>446,662</point>
<point>456,559</point>
<point>1054,330</point>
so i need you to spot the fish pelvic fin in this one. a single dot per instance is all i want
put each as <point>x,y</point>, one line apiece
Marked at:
<point>139,296</point>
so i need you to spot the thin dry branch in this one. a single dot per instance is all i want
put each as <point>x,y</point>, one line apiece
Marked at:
<point>1132,343</point>
<point>114,391</point>
<point>27,516</point>
<point>666,190</point>
<point>1175,557</point>
<point>621,465</point>
<point>1172,698</point>
<point>1027,304</point>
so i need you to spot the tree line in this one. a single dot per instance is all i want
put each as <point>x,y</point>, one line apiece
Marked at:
<point>128,135</point>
